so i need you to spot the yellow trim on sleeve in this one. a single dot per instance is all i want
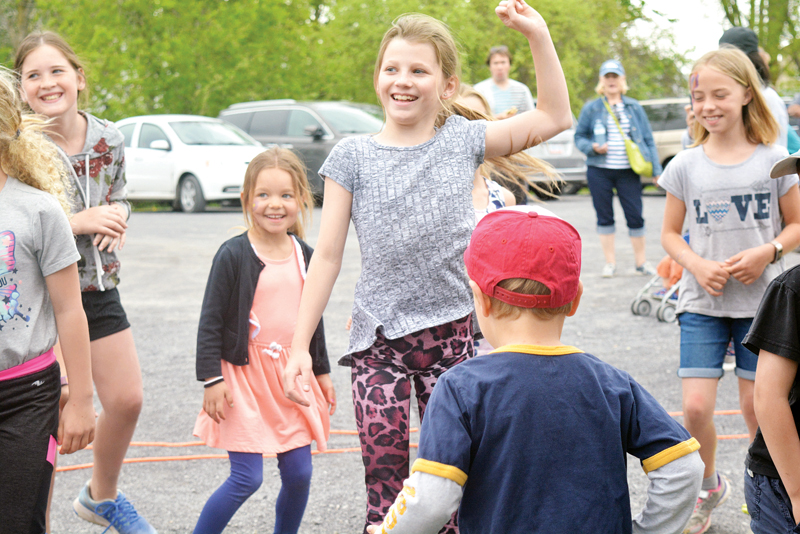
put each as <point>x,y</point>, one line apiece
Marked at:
<point>541,350</point>
<point>667,455</point>
<point>440,470</point>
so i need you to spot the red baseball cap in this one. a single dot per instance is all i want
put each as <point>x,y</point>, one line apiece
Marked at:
<point>525,242</point>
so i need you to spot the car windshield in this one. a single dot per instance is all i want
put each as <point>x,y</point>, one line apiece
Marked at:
<point>348,120</point>
<point>210,133</point>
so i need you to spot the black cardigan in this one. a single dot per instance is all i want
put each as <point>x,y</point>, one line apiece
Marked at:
<point>224,329</point>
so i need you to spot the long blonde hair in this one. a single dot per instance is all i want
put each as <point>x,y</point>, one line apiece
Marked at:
<point>516,169</point>
<point>759,124</point>
<point>25,152</point>
<point>286,160</point>
<point>418,28</point>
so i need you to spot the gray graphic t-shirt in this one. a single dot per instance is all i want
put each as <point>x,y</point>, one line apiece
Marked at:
<point>35,242</point>
<point>412,211</point>
<point>729,208</point>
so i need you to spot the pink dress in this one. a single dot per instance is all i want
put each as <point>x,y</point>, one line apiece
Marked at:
<point>262,419</point>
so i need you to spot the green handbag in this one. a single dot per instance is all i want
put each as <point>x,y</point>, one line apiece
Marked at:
<point>639,164</point>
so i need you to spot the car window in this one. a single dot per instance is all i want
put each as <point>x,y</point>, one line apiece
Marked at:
<point>127,131</point>
<point>665,116</point>
<point>299,119</point>
<point>209,133</point>
<point>347,120</point>
<point>269,123</point>
<point>242,120</point>
<point>150,133</point>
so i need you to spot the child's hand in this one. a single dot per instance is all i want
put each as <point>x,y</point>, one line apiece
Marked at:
<point>298,366</point>
<point>107,219</point>
<point>214,399</point>
<point>373,529</point>
<point>711,275</point>
<point>518,15</point>
<point>76,425</point>
<point>109,243</point>
<point>326,384</point>
<point>747,265</point>
<point>510,112</point>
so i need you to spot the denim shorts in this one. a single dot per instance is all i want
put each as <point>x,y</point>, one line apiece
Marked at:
<point>704,340</point>
<point>768,505</point>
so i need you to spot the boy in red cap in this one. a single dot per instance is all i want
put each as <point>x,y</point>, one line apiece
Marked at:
<point>534,436</point>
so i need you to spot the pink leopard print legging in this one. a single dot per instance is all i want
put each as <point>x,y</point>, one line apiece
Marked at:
<point>382,378</point>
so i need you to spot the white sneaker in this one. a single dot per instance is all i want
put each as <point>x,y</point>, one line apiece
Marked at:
<point>609,270</point>
<point>646,268</point>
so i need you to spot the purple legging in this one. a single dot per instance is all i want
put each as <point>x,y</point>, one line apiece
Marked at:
<point>247,471</point>
<point>381,378</point>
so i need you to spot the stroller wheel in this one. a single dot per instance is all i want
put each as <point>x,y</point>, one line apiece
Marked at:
<point>666,314</point>
<point>642,307</point>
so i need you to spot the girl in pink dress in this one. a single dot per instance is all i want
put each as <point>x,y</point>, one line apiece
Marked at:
<point>246,327</point>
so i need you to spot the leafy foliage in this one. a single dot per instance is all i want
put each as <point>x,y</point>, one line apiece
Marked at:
<point>166,56</point>
<point>775,23</point>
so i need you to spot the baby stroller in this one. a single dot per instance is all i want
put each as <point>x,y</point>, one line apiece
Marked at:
<point>668,280</point>
<point>666,300</point>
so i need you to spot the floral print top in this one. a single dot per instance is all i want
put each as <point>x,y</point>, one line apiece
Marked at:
<point>104,155</point>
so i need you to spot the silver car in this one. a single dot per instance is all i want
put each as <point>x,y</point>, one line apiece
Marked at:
<point>570,163</point>
<point>311,129</point>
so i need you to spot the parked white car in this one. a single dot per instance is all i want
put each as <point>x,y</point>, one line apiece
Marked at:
<point>185,159</point>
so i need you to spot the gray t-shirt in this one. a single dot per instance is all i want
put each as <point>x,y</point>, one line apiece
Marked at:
<point>729,208</point>
<point>35,242</point>
<point>412,211</point>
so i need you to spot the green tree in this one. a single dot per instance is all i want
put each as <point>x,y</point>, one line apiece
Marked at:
<point>17,19</point>
<point>166,56</point>
<point>353,29</point>
<point>775,23</point>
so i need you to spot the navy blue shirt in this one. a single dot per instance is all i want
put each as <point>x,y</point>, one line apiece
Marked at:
<point>541,434</point>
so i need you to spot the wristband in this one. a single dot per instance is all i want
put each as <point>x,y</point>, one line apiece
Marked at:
<point>64,381</point>
<point>213,382</point>
<point>778,250</point>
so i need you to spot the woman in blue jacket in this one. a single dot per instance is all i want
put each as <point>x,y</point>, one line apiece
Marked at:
<point>598,136</point>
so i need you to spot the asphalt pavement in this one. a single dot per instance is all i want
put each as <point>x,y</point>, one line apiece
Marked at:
<point>165,265</point>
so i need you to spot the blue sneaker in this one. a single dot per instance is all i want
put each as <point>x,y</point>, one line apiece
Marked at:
<point>119,515</point>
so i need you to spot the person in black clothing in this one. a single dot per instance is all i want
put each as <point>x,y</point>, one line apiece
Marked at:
<point>772,476</point>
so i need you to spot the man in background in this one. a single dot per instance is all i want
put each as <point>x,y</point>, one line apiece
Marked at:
<point>506,97</point>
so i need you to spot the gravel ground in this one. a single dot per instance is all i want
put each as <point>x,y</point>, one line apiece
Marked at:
<point>165,267</point>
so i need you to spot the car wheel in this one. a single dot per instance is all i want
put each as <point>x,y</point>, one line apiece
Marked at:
<point>570,188</point>
<point>545,191</point>
<point>190,195</point>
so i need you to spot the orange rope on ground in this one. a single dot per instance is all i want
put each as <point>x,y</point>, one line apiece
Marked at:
<point>718,412</point>
<point>735,436</point>
<point>167,444</point>
<point>152,459</point>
